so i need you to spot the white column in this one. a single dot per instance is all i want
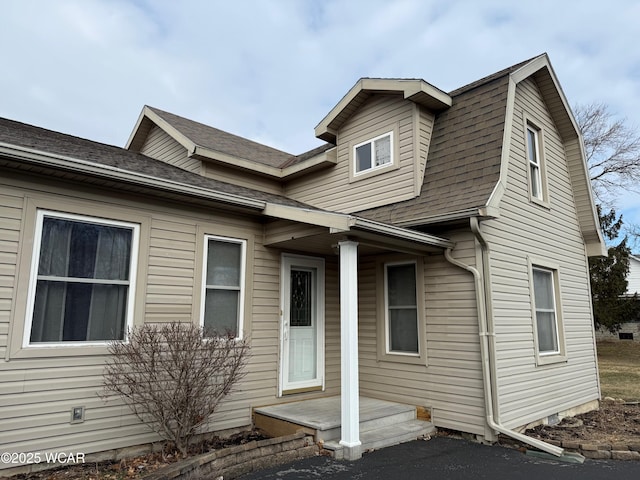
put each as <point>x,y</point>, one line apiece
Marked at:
<point>350,395</point>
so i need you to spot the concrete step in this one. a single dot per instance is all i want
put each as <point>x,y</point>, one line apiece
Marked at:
<point>386,436</point>
<point>371,419</point>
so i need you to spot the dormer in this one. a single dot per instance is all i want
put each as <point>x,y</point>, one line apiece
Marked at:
<point>415,90</point>
<point>382,132</point>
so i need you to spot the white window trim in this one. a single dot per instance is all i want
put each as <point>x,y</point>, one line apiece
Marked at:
<point>374,167</point>
<point>242,287</point>
<point>542,198</point>
<point>33,277</point>
<point>387,337</point>
<point>559,355</point>
<point>534,165</point>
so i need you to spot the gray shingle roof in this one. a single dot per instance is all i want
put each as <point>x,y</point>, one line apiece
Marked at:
<point>214,139</point>
<point>463,165</point>
<point>23,135</point>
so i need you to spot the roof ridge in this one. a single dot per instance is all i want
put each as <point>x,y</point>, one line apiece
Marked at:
<point>240,137</point>
<point>492,77</point>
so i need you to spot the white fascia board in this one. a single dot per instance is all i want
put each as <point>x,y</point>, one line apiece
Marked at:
<point>501,186</point>
<point>234,161</point>
<point>259,168</point>
<point>167,127</point>
<point>38,157</point>
<point>486,211</point>
<point>342,223</point>
<point>399,232</point>
<point>321,158</point>
<point>334,221</point>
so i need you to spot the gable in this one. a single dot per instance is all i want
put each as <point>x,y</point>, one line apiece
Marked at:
<point>347,189</point>
<point>539,70</point>
<point>160,145</point>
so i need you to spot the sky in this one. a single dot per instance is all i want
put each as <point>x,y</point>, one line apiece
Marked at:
<point>270,70</point>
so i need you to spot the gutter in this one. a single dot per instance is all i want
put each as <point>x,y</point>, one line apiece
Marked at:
<point>38,157</point>
<point>398,232</point>
<point>485,330</point>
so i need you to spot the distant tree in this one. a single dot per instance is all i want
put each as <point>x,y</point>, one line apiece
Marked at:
<point>609,278</point>
<point>612,148</point>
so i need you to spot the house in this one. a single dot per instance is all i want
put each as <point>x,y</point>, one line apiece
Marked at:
<point>433,252</point>
<point>633,277</point>
<point>630,328</point>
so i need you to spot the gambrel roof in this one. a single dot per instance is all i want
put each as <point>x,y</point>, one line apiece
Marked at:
<point>465,173</point>
<point>466,168</point>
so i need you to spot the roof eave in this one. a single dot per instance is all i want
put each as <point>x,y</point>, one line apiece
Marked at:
<point>414,90</point>
<point>38,157</point>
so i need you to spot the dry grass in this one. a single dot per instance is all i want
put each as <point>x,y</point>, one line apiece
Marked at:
<point>619,364</point>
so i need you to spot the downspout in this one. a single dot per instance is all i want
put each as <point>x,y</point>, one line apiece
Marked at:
<point>485,329</point>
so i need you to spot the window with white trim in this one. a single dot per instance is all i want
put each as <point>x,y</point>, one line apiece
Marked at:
<point>223,285</point>
<point>401,309</point>
<point>83,280</point>
<point>373,154</point>
<point>545,311</point>
<point>535,163</point>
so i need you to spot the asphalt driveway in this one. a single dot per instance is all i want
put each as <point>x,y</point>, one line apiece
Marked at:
<point>449,459</point>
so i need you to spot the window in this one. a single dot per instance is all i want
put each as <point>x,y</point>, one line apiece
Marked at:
<point>83,279</point>
<point>401,309</point>
<point>545,311</point>
<point>223,285</point>
<point>535,164</point>
<point>374,154</point>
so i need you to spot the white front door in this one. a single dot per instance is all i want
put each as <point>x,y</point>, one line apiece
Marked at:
<point>302,324</point>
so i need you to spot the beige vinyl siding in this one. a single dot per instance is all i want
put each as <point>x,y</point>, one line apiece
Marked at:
<point>243,178</point>
<point>527,232</point>
<point>38,393</point>
<point>336,189</point>
<point>10,220</point>
<point>161,146</point>
<point>451,381</point>
<point>425,129</point>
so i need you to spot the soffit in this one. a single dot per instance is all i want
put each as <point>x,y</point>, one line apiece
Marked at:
<point>414,90</point>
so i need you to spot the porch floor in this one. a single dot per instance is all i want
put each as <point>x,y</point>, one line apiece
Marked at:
<point>382,423</point>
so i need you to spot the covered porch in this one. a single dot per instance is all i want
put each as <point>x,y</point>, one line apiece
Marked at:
<point>346,417</point>
<point>381,424</point>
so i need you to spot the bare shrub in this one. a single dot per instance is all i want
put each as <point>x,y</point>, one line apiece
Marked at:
<point>173,377</point>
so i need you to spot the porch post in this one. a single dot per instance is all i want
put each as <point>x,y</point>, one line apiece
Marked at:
<point>350,391</point>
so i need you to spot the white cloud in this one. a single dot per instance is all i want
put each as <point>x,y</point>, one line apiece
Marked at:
<point>271,70</point>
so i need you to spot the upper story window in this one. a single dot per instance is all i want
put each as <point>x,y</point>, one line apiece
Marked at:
<point>223,284</point>
<point>374,154</point>
<point>536,164</point>
<point>83,279</point>
<point>533,154</point>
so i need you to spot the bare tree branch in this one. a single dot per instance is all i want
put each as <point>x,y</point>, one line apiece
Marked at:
<point>612,149</point>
